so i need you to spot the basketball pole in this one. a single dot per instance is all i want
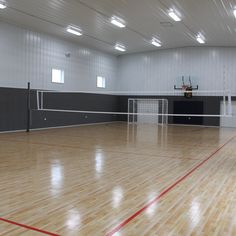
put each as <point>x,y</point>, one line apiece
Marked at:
<point>28,109</point>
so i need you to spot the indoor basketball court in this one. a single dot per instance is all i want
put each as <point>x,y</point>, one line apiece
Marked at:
<point>117,117</point>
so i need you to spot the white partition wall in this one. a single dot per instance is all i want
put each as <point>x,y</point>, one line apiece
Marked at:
<point>228,121</point>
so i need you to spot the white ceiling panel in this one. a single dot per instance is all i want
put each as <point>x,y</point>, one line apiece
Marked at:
<point>214,19</point>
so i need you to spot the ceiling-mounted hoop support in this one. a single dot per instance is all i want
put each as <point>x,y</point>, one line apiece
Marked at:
<point>185,87</point>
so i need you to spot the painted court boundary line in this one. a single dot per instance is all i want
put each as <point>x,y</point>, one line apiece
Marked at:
<point>28,227</point>
<point>164,192</point>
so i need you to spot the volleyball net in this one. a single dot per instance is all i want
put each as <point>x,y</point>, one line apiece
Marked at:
<point>137,107</point>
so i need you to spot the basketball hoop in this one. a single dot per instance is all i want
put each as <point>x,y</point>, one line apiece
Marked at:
<point>187,89</point>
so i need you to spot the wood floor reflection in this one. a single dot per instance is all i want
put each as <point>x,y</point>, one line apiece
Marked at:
<point>87,180</point>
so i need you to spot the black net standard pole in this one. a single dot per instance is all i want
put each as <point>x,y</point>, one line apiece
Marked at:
<point>28,109</point>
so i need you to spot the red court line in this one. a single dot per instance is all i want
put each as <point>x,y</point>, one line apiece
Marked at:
<point>168,189</point>
<point>28,227</point>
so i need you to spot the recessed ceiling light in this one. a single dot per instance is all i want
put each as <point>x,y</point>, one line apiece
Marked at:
<point>235,12</point>
<point>156,42</point>
<point>120,48</point>
<point>2,5</point>
<point>200,39</point>
<point>118,22</point>
<point>173,15</point>
<point>74,30</point>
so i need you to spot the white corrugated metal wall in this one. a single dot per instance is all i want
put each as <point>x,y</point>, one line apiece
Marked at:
<point>212,68</point>
<point>30,56</point>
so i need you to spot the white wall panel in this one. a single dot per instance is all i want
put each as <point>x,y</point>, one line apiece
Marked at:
<point>228,121</point>
<point>30,56</point>
<point>212,68</point>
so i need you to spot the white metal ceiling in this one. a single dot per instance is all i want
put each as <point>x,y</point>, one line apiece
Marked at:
<point>145,19</point>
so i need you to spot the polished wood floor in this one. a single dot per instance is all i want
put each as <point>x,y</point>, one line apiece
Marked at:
<point>100,180</point>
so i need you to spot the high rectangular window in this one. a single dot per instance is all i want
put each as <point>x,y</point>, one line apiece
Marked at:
<point>101,82</point>
<point>58,76</point>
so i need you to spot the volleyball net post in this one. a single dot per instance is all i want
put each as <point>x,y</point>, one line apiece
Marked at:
<point>28,115</point>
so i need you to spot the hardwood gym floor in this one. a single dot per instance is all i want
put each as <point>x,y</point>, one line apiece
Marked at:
<point>115,180</point>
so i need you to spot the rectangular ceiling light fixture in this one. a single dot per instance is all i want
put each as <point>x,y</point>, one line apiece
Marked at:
<point>118,22</point>
<point>156,42</point>
<point>173,15</point>
<point>120,48</point>
<point>200,39</point>
<point>74,30</point>
<point>2,5</point>
<point>235,12</point>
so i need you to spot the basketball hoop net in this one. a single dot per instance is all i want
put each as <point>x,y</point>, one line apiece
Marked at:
<point>189,90</point>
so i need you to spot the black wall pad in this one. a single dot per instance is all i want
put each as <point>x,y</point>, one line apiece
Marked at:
<point>13,109</point>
